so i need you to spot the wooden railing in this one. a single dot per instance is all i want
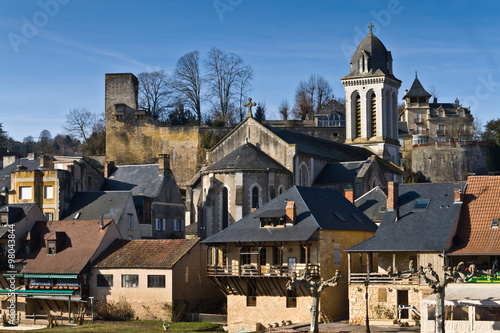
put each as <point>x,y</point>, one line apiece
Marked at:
<point>376,278</point>
<point>258,270</point>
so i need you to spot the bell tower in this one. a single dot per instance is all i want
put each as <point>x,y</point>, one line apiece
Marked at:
<point>371,93</point>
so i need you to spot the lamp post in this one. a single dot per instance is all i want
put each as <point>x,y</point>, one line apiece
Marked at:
<point>92,306</point>
<point>367,282</point>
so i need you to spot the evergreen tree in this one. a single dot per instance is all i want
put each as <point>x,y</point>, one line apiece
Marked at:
<point>260,113</point>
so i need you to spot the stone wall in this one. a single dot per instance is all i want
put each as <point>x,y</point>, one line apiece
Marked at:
<point>443,162</point>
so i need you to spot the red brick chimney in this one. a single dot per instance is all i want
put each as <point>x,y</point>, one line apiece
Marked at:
<point>290,212</point>
<point>458,195</point>
<point>392,196</point>
<point>108,166</point>
<point>349,194</point>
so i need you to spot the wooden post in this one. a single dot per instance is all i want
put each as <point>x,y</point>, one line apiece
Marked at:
<point>348,268</point>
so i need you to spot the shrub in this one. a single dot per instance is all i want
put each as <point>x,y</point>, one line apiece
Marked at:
<point>120,310</point>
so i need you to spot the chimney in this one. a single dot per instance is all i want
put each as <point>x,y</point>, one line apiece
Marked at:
<point>392,196</point>
<point>44,162</point>
<point>108,167</point>
<point>290,212</point>
<point>101,226</point>
<point>457,102</point>
<point>406,92</point>
<point>458,195</point>
<point>164,164</point>
<point>435,100</point>
<point>8,160</point>
<point>349,194</point>
<point>31,156</point>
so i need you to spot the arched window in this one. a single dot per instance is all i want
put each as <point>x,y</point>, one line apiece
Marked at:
<point>255,197</point>
<point>225,208</point>
<point>303,175</point>
<point>281,189</point>
<point>373,110</point>
<point>357,105</point>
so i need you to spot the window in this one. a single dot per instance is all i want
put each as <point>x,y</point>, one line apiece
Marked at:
<point>49,216</point>
<point>487,313</point>
<point>105,280</point>
<point>263,256</point>
<point>158,224</point>
<point>51,247</point>
<point>276,256</point>
<point>340,217</point>
<point>156,281</point>
<point>302,258</point>
<point>456,313</point>
<point>178,225</point>
<point>421,205</point>
<point>336,255</point>
<point>251,294</point>
<point>245,256</point>
<point>25,193</point>
<point>89,181</point>
<point>373,107</point>
<point>419,118</point>
<point>358,218</point>
<point>130,281</point>
<point>164,222</point>
<point>255,197</point>
<point>225,208</point>
<point>494,223</point>
<point>291,298</point>
<point>129,221</point>
<point>48,192</point>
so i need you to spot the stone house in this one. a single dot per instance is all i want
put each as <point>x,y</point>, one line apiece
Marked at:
<point>48,181</point>
<point>157,200</point>
<point>173,274</point>
<point>302,228</point>
<point>418,225</point>
<point>56,257</point>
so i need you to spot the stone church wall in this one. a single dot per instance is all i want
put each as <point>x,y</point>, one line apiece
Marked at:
<point>448,161</point>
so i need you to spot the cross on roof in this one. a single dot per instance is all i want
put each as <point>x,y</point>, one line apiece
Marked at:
<point>370,26</point>
<point>249,105</point>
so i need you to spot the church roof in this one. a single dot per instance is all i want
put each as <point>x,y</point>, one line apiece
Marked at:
<point>327,149</point>
<point>339,172</point>
<point>315,209</point>
<point>378,58</point>
<point>246,157</point>
<point>417,90</point>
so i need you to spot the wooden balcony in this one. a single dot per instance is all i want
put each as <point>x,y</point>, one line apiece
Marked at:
<point>376,278</point>
<point>260,271</point>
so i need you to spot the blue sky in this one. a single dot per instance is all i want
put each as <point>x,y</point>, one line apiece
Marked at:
<point>60,63</point>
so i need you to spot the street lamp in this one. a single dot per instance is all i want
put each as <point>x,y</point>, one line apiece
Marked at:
<point>367,282</point>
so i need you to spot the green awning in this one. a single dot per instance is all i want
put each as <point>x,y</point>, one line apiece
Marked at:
<point>21,292</point>
<point>51,276</point>
<point>13,274</point>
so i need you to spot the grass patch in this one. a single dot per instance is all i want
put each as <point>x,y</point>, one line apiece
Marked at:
<point>137,326</point>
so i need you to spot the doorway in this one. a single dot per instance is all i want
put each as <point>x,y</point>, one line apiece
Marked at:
<point>403,299</point>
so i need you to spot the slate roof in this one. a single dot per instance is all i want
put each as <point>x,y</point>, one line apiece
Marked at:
<point>161,253</point>
<point>139,179</point>
<point>427,230</point>
<point>315,210</point>
<point>330,107</point>
<point>417,90</point>
<point>29,164</point>
<point>91,205</point>
<point>81,241</point>
<point>475,235</point>
<point>339,172</point>
<point>450,109</point>
<point>327,149</point>
<point>373,203</point>
<point>246,157</point>
<point>403,128</point>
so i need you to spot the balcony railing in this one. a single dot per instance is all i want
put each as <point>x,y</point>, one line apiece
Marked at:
<point>376,278</point>
<point>258,270</point>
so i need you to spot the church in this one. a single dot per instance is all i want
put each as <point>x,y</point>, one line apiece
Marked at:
<point>254,163</point>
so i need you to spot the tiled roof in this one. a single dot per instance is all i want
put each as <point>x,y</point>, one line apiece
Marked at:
<point>481,205</point>
<point>144,253</point>
<point>80,242</point>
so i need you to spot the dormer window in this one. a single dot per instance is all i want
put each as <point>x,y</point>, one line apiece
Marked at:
<point>494,223</point>
<point>272,219</point>
<point>51,247</point>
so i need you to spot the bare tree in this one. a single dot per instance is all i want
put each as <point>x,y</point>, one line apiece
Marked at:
<point>244,88</point>
<point>310,96</point>
<point>284,110</point>
<point>80,123</point>
<point>315,288</point>
<point>187,82</point>
<point>433,90</point>
<point>154,93</point>
<point>224,73</point>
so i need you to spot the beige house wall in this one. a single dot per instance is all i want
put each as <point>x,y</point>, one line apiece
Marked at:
<point>147,303</point>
